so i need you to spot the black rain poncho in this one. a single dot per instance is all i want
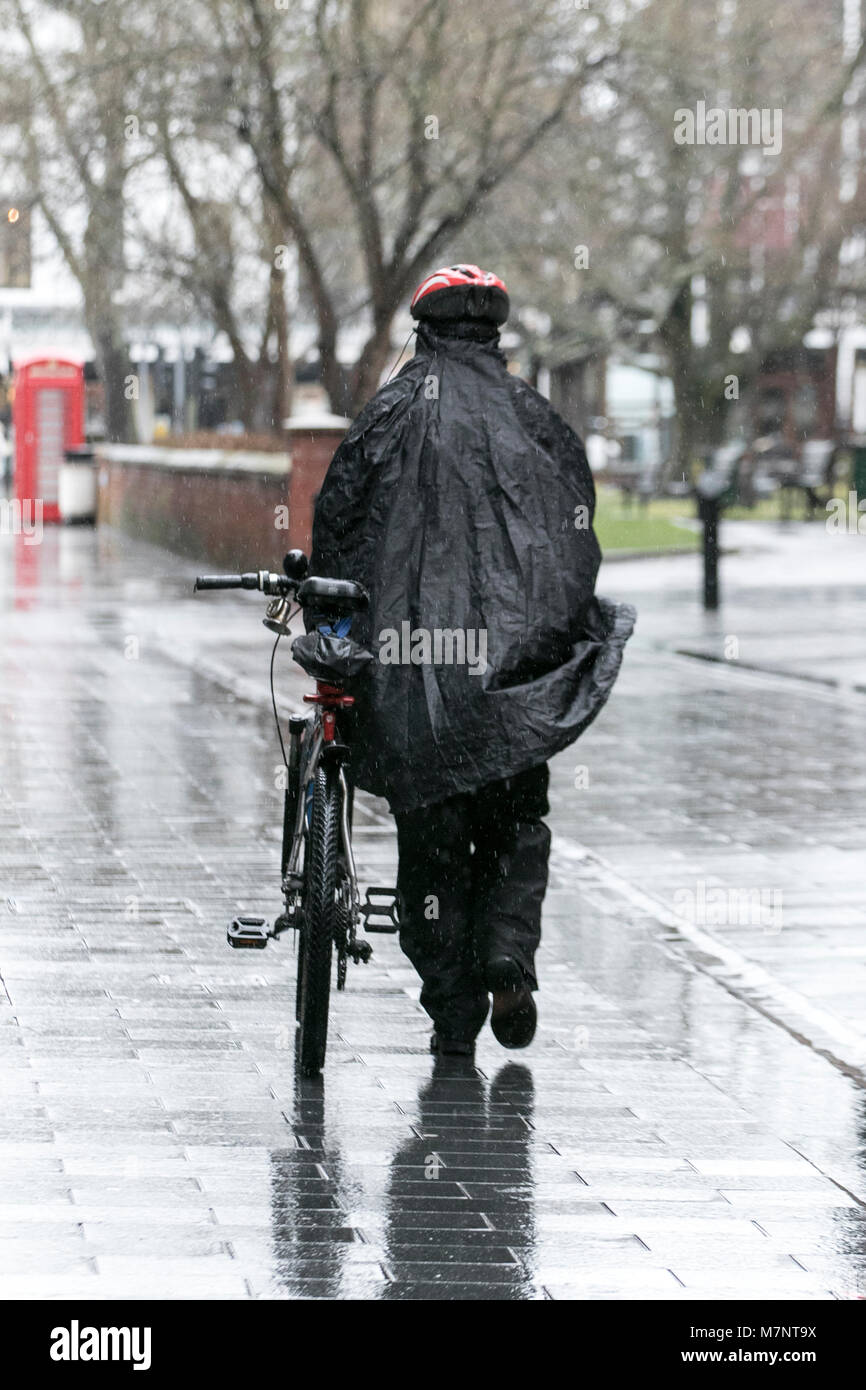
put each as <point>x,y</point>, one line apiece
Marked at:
<point>464,503</point>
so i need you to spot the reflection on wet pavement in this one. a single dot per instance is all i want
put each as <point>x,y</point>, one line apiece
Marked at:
<point>663,1138</point>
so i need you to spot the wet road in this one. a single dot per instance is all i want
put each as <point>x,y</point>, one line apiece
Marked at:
<point>691,1120</point>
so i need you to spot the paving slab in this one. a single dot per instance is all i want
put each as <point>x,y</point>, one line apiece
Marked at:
<point>687,1124</point>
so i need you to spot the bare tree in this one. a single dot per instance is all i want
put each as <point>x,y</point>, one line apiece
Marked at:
<point>210,273</point>
<point>71,101</point>
<point>421,116</point>
<point>671,232</point>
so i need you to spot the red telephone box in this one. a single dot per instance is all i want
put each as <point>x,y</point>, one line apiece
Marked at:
<point>48,417</point>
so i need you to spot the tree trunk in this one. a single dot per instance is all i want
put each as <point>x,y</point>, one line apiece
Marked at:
<point>248,394</point>
<point>687,434</point>
<point>282,392</point>
<point>366,376</point>
<point>335,378</point>
<point>113,362</point>
<point>676,335</point>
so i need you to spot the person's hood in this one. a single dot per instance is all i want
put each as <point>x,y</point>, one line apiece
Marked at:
<point>439,337</point>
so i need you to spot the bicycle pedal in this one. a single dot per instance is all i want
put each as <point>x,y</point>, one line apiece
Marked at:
<point>249,932</point>
<point>381,916</point>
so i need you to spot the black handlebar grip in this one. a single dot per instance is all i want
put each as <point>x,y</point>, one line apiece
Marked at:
<point>220,581</point>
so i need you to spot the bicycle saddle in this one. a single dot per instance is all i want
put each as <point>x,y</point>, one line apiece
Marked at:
<point>333,595</point>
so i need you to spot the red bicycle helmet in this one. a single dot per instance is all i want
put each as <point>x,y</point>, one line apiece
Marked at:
<point>461,292</point>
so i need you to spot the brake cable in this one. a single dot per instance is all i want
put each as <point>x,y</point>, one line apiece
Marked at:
<point>273,692</point>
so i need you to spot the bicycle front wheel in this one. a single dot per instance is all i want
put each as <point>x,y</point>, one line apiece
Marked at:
<point>320,921</point>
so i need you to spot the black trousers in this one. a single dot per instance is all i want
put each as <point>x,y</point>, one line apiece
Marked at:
<point>472,878</point>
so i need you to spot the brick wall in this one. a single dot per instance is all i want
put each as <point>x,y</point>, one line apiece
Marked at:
<point>223,509</point>
<point>312,451</point>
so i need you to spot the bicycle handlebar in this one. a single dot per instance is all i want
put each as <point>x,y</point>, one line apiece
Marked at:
<point>262,580</point>
<point>224,581</point>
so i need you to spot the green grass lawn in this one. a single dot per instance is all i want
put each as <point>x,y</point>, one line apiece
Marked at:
<point>649,528</point>
<point>630,527</point>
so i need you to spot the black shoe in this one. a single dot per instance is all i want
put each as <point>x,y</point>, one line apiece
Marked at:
<point>451,1047</point>
<point>514,1016</point>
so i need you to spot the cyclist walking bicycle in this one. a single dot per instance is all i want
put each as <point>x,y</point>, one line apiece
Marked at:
<point>463,504</point>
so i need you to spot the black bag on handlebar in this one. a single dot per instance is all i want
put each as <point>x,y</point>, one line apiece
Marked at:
<point>328,657</point>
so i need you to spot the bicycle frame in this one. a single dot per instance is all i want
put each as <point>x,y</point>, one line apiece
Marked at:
<point>320,740</point>
<point>321,899</point>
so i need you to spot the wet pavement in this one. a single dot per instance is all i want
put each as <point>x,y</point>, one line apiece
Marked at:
<point>691,1120</point>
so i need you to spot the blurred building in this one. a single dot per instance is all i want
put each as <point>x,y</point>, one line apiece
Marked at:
<point>40,305</point>
<point>624,411</point>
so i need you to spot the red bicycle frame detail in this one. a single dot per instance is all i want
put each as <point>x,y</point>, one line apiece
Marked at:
<point>331,698</point>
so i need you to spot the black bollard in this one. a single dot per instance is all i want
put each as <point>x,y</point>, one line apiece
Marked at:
<point>709,489</point>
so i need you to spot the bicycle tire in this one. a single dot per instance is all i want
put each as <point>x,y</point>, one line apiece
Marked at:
<point>299,978</point>
<point>320,910</point>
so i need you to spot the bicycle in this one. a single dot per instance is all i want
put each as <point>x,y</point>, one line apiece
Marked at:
<point>319,880</point>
